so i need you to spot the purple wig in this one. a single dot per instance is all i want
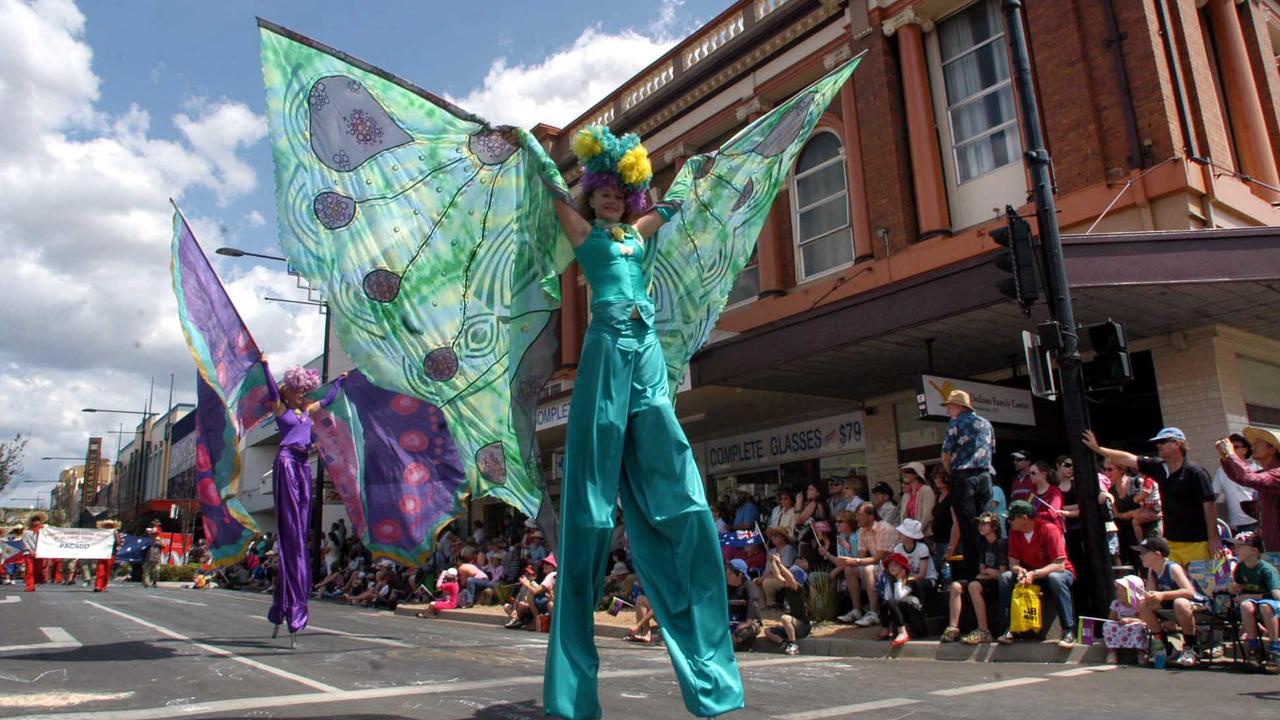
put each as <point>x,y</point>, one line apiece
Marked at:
<point>637,199</point>
<point>300,380</point>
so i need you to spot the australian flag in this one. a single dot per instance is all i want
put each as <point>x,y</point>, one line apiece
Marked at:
<point>741,538</point>
<point>133,548</point>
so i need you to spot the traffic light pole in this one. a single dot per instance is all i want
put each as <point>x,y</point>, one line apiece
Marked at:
<point>1058,296</point>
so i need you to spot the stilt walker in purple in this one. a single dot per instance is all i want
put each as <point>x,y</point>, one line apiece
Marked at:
<point>291,484</point>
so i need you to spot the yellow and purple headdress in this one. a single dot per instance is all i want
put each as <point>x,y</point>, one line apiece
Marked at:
<point>621,163</point>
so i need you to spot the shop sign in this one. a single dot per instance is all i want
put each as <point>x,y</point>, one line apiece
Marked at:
<point>999,404</point>
<point>799,441</point>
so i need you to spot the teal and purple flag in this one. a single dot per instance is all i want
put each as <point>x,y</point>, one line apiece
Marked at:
<point>231,393</point>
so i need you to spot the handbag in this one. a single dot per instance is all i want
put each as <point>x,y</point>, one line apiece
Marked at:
<point>1024,610</point>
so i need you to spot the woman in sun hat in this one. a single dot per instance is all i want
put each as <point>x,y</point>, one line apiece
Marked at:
<point>1266,480</point>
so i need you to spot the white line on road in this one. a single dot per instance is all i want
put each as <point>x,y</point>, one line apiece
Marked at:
<point>59,639</point>
<point>967,689</point>
<point>315,684</point>
<point>1087,670</point>
<point>438,688</point>
<point>175,600</point>
<point>343,633</point>
<point>847,709</point>
<point>10,599</point>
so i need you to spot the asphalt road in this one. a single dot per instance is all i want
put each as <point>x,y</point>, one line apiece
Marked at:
<point>131,654</point>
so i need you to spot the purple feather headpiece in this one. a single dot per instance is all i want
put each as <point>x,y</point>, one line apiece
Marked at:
<point>637,199</point>
<point>300,380</point>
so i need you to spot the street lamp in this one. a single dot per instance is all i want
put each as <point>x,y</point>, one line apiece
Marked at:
<point>60,457</point>
<point>237,252</point>
<point>145,413</point>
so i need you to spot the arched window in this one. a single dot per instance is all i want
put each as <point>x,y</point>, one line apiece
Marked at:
<point>820,208</point>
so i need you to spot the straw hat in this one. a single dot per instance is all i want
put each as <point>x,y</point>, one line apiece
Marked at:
<point>779,530</point>
<point>37,518</point>
<point>108,524</point>
<point>959,397</point>
<point>1256,435</point>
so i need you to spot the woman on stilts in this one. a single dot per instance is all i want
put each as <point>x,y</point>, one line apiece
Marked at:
<point>291,485</point>
<point>624,439</point>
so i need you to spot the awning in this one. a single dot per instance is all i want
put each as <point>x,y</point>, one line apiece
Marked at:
<point>875,342</point>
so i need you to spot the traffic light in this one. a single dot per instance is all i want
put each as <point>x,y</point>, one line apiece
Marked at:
<point>1110,366</point>
<point>1023,284</point>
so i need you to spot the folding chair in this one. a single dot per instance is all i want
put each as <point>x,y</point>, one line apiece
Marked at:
<point>1220,618</point>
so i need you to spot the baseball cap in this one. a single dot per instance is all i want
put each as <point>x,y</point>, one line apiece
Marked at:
<point>1155,543</point>
<point>1252,539</point>
<point>1021,508</point>
<point>799,573</point>
<point>1170,433</point>
<point>740,565</point>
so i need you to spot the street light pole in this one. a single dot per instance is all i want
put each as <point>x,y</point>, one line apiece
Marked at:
<point>146,418</point>
<point>1058,297</point>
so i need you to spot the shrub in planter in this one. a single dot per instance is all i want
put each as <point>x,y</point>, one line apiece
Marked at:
<point>177,573</point>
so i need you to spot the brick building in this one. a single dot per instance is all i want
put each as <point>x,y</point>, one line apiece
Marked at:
<point>1163,121</point>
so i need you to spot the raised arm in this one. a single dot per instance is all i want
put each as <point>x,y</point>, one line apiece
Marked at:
<point>1119,457</point>
<point>576,228</point>
<point>273,390</point>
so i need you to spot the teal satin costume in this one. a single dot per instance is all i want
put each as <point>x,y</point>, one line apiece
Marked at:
<point>624,441</point>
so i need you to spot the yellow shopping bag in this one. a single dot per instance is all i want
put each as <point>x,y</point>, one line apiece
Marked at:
<point>1024,610</point>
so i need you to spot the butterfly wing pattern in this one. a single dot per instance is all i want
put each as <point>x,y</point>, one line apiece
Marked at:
<point>702,249</point>
<point>435,242</point>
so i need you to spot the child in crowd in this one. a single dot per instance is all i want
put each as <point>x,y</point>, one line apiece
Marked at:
<point>1123,628</point>
<point>1256,583</point>
<point>794,625</point>
<point>902,613</point>
<point>1169,590</point>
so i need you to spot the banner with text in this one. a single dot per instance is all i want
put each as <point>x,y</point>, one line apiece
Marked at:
<point>75,543</point>
<point>799,441</point>
<point>997,403</point>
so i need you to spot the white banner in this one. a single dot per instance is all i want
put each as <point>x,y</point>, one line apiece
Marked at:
<point>996,403</point>
<point>800,441</point>
<point>75,543</point>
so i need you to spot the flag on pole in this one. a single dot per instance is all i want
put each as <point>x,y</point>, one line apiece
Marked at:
<point>741,538</point>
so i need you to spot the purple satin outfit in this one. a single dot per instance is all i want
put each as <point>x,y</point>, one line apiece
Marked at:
<point>291,483</point>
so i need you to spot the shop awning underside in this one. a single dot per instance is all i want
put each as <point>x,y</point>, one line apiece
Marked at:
<point>875,342</point>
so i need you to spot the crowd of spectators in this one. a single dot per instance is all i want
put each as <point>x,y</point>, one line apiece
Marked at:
<point>951,542</point>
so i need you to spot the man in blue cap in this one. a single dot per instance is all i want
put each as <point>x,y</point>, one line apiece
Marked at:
<point>745,608</point>
<point>1186,491</point>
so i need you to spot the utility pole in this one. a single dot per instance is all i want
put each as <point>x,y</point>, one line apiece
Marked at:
<point>1058,297</point>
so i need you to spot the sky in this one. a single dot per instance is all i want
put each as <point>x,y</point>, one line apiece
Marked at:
<point>112,108</point>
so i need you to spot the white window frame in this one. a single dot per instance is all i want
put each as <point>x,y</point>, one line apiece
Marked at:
<point>950,106</point>
<point>971,202</point>
<point>796,244</point>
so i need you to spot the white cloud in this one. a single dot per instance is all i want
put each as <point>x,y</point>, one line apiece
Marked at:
<point>255,219</point>
<point>88,314</point>
<point>569,81</point>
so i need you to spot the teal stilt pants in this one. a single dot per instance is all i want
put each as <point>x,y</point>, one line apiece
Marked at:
<point>624,441</point>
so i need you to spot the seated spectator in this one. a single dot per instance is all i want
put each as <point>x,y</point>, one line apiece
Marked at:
<point>992,564</point>
<point>785,516</point>
<point>642,631</point>
<point>538,596</point>
<point>918,498</point>
<point>745,611</point>
<point>850,499</point>
<point>755,556</point>
<point>718,516</point>
<point>901,607</point>
<point>1168,589</point>
<point>1123,628</point>
<point>1256,583</point>
<point>471,578</point>
<point>537,549</point>
<point>794,624</point>
<point>620,578</point>
<point>882,499</point>
<point>366,596</point>
<point>846,546</point>
<point>446,585</point>
<point>921,572</point>
<point>1037,554</point>
<point>770,582</point>
<point>876,539</point>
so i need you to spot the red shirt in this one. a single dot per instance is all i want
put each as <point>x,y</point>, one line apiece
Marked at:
<point>1046,545</point>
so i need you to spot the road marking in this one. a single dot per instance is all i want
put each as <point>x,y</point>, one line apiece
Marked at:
<point>10,599</point>
<point>847,709</point>
<point>343,633</point>
<point>316,684</point>
<point>59,639</point>
<point>175,600</point>
<point>437,688</point>
<point>967,689</point>
<point>1077,672</point>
